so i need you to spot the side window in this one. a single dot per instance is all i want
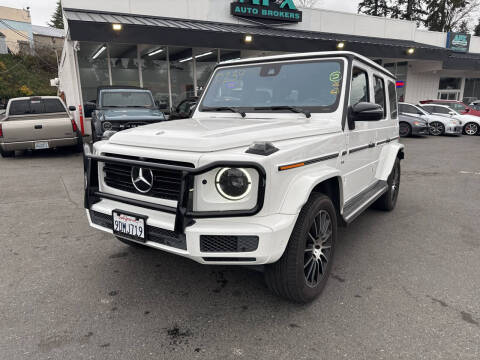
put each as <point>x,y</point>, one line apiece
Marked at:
<point>359,92</point>
<point>392,96</point>
<point>441,110</point>
<point>53,106</point>
<point>379,89</point>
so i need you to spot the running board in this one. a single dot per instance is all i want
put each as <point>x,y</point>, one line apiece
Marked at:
<point>354,207</point>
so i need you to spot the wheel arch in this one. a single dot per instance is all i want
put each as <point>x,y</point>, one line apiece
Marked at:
<point>327,181</point>
<point>388,155</point>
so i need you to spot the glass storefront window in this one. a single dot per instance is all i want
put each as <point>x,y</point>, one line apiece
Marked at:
<point>447,83</point>
<point>93,68</point>
<point>399,69</point>
<point>153,61</point>
<point>181,72</point>
<point>206,60</point>
<point>124,63</point>
<point>472,90</point>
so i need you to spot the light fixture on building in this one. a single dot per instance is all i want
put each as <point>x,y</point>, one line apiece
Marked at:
<point>155,52</point>
<point>117,27</point>
<point>341,45</point>
<point>411,51</point>
<point>196,57</point>
<point>248,38</point>
<point>99,52</point>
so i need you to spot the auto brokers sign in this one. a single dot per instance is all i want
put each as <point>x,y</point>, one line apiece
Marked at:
<point>268,11</point>
<point>458,42</point>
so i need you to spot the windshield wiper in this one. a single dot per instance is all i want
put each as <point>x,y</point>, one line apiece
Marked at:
<point>225,108</point>
<point>290,108</point>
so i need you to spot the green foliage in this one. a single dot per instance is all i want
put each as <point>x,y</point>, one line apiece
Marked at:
<point>374,7</point>
<point>57,18</point>
<point>476,31</point>
<point>24,75</point>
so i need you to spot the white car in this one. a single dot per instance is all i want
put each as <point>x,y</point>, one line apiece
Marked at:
<point>470,123</point>
<point>438,124</point>
<point>262,175</point>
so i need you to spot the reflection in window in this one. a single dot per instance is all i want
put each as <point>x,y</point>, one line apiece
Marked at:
<point>93,69</point>
<point>181,69</point>
<point>359,92</point>
<point>155,73</point>
<point>379,90</point>
<point>124,63</point>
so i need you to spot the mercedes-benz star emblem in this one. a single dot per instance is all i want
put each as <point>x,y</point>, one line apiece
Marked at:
<point>142,179</point>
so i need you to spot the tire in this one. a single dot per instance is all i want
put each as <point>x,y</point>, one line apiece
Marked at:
<point>405,129</point>
<point>436,128</point>
<point>300,275</point>
<point>7,154</point>
<point>388,200</point>
<point>132,243</point>
<point>471,129</point>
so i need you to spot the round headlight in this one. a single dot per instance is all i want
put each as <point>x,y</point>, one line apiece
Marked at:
<point>233,183</point>
<point>107,126</point>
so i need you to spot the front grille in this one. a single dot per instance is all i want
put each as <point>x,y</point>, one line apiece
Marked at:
<point>223,243</point>
<point>154,234</point>
<point>166,183</point>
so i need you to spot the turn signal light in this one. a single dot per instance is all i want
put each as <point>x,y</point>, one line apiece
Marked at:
<point>1,131</point>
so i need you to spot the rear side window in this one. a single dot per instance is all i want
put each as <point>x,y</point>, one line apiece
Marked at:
<point>19,107</point>
<point>379,89</point>
<point>392,96</point>
<point>53,106</point>
<point>359,92</point>
<point>441,110</point>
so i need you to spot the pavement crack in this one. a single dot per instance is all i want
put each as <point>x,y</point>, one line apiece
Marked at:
<point>69,197</point>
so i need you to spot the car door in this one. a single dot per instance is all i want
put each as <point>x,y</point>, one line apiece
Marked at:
<point>357,164</point>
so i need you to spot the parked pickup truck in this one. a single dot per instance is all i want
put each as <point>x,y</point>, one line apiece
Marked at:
<point>39,122</point>
<point>279,152</point>
<point>123,107</point>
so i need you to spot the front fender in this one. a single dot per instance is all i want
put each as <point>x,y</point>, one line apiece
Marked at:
<point>302,185</point>
<point>387,159</point>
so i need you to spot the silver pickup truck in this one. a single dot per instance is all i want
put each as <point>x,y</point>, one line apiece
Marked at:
<point>33,123</point>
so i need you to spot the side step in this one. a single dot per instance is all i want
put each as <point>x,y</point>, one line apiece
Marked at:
<point>354,207</point>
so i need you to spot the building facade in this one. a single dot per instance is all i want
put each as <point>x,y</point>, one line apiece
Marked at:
<point>16,25</point>
<point>172,46</point>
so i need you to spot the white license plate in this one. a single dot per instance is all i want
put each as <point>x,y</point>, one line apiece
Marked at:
<point>130,225</point>
<point>41,145</point>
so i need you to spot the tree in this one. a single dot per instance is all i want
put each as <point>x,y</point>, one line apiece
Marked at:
<point>374,7</point>
<point>412,10</point>
<point>57,18</point>
<point>476,31</point>
<point>463,27</point>
<point>447,15</point>
<point>306,3</point>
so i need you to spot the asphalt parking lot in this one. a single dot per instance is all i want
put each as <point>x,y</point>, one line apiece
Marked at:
<point>405,284</point>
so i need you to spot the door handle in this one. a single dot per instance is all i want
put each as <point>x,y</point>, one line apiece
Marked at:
<point>38,127</point>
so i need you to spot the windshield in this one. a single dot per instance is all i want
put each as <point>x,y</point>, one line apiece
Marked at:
<point>127,99</point>
<point>309,85</point>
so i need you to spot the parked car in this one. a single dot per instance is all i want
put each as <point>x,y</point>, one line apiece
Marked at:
<point>438,124</point>
<point>39,122</point>
<point>456,105</point>
<point>123,107</point>
<point>257,180</point>
<point>470,123</point>
<point>184,109</point>
<point>475,105</point>
<point>412,125</point>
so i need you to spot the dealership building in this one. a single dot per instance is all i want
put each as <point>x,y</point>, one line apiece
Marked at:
<point>172,46</point>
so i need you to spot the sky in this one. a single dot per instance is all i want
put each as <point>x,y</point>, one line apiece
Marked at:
<point>42,10</point>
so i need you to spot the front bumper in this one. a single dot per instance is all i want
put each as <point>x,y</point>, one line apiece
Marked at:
<point>453,130</point>
<point>420,130</point>
<point>30,145</point>
<point>272,231</point>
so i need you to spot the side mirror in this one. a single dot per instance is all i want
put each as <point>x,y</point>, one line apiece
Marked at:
<point>72,108</point>
<point>452,113</point>
<point>365,111</point>
<point>467,110</point>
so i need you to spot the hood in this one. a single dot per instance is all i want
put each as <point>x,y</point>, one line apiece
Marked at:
<point>468,118</point>
<point>128,114</point>
<point>214,134</point>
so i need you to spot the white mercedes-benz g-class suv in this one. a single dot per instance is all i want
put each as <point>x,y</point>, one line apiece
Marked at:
<point>279,152</point>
